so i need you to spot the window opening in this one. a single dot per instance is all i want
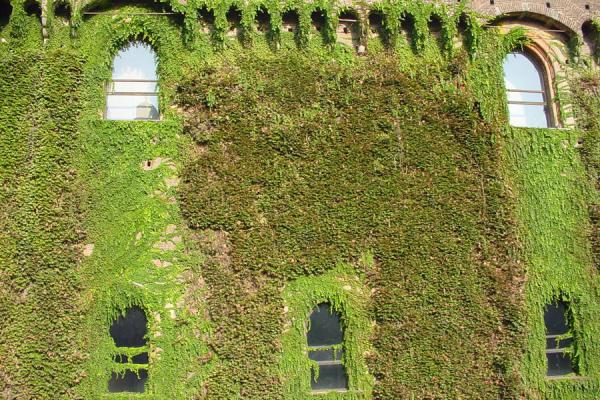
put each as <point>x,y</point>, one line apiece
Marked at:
<point>263,20</point>
<point>128,332</point>
<point>325,347</point>
<point>318,19</point>
<point>207,20</point>
<point>526,92</point>
<point>132,93</point>
<point>63,10</point>
<point>349,28</point>
<point>559,340</point>
<point>291,20</point>
<point>234,19</point>
<point>376,22</point>
<point>32,8</point>
<point>5,12</point>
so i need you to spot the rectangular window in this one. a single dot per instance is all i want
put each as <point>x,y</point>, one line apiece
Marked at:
<point>559,340</point>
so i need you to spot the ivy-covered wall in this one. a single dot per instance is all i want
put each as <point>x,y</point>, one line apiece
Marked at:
<point>287,170</point>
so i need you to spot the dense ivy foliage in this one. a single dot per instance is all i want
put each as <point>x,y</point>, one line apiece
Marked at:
<point>287,171</point>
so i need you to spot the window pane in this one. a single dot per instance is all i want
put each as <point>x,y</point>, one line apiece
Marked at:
<point>325,355</point>
<point>555,319</point>
<point>137,61</point>
<point>325,327</point>
<point>331,377</point>
<point>129,330</point>
<point>525,96</point>
<point>119,107</point>
<point>521,73</point>
<point>128,382</point>
<point>559,364</point>
<point>531,116</point>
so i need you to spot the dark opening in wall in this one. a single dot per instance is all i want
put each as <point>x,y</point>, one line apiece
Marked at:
<point>435,25</point>
<point>349,28</point>
<point>62,10</point>
<point>319,19</point>
<point>558,339</point>
<point>234,19</point>
<point>590,37</point>
<point>407,27</point>
<point>263,20</point>
<point>5,12</point>
<point>206,18</point>
<point>291,21</point>
<point>376,22</point>
<point>32,8</point>
<point>129,330</point>
<point>128,381</point>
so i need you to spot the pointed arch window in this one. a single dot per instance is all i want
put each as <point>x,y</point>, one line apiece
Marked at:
<point>130,367</point>
<point>559,340</point>
<point>527,91</point>
<point>325,339</point>
<point>132,92</point>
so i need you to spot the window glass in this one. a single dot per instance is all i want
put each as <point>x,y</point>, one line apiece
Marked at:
<point>325,347</point>
<point>558,340</point>
<point>128,330</point>
<point>133,90</point>
<point>128,381</point>
<point>555,319</point>
<point>526,94</point>
<point>331,377</point>
<point>325,328</point>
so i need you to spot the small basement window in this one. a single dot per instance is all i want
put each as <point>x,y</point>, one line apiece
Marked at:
<point>559,340</point>
<point>325,347</point>
<point>132,93</point>
<point>129,333</point>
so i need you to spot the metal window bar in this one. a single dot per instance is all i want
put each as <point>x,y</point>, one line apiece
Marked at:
<point>529,103</point>
<point>555,350</point>
<point>111,85</point>
<point>336,355</point>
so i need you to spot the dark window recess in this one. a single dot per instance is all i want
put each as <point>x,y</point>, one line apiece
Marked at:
<point>326,331</point>
<point>558,340</point>
<point>63,10</point>
<point>129,329</point>
<point>234,18</point>
<point>137,359</point>
<point>291,20</point>
<point>263,20</point>
<point>325,327</point>
<point>128,381</point>
<point>32,8</point>
<point>376,22</point>
<point>318,19</point>
<point>5,11</point>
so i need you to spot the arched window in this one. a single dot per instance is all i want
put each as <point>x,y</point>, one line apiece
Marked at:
<point>559,340</point>
<point>325,347</point>
<point>132,93</point>
<point>527,92</point>
<point>130,371</point>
